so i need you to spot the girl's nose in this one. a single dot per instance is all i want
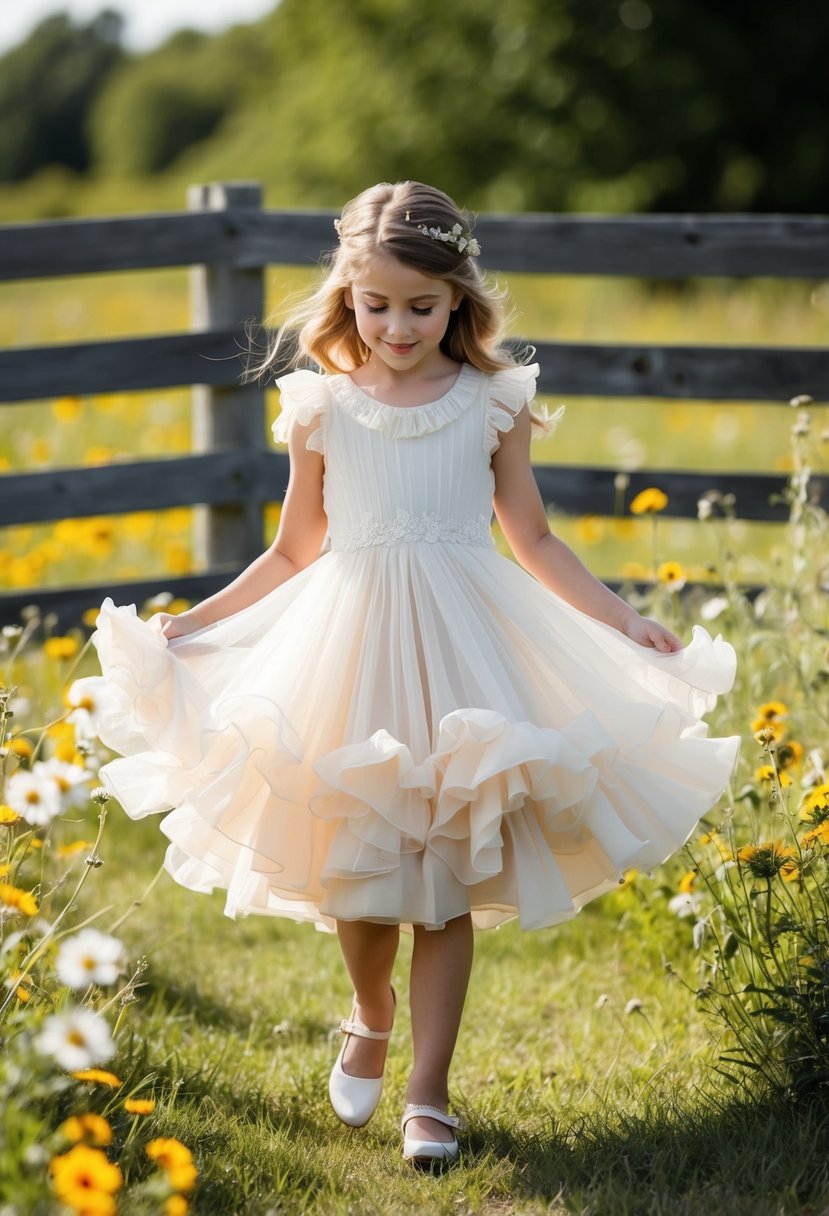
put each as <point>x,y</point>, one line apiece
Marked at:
<point>395,323</point>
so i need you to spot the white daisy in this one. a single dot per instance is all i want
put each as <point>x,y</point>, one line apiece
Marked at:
<point>77,1039</point>
<point>712,608</point>
<point>90,957</point>
<point>87,696</point>
<point>685,904</point>
<point>67,777</point>
<point>36,799</point>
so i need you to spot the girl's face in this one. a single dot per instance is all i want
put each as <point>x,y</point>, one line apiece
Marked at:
<point>402,314</point>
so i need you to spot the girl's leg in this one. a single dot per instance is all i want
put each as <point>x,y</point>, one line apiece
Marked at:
<point>369,951</point>
<point>441,965</point>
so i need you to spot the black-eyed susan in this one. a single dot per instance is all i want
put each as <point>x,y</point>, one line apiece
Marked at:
<point>771,710</point>
<point>86,1180</point>
<point>815,806</point>
<point>766,773</point>
<point>789,754</point>
<point>673,575</point>
<point>88,1128</point>
<point>768,859</point>
<point>649,501</point>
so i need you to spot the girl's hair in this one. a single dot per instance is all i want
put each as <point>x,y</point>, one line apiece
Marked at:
<point>384,220</point>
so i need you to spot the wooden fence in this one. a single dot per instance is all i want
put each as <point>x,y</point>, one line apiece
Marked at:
<point>229,240</point>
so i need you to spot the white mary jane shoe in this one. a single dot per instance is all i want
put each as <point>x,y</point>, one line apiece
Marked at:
<point>355,1099</point>
<point>428,1152</point>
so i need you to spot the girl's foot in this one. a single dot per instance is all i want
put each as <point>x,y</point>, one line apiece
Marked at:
<point>367,1057</point>
<point>355,1094</point>
<point>421,1127</point>
<point>427,1150</point>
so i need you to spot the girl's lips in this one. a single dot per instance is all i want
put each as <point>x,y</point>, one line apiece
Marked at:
<point>401,348</point>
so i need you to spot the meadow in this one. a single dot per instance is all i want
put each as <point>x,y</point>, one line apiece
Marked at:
<point>663,1053</point>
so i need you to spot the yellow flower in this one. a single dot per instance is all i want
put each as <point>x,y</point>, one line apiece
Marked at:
<point>649,501</point>
<point>89,1127</point>
<point>75,846</point>
<point>61,647</point>
<point>673,575</point>
<point>590,529</point>
<point>90,617</point>
<point>766,773</point>
<point>815,806</point>
<point>13,897</point>
<point>686,882</point>
<point>820,833</point>
<point>21,746</point>
<point>770,710</point>
<point>176,1205</point>
<point>67,409</point>
<point>769,858</point>
<point>789,754</point>
<point>8,817</point>
<point>23,992</point>
<point>139,1106</point>
<point>628,879</point>
<point>99,1076</point>
<point>83,1174</point>
<point>176,1160</point>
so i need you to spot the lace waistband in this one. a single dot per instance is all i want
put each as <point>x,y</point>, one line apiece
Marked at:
<point>405,527</point>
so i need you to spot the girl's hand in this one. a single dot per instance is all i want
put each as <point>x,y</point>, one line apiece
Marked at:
<point>176,626</point>
<point>646,632</point>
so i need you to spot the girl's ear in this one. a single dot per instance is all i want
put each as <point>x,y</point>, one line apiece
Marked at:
<point>456,300</point>
<point>348,298</point>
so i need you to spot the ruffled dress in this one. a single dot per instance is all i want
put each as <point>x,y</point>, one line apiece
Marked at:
<point>412,727</point>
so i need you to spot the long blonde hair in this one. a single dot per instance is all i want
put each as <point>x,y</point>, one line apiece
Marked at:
<point>385,220</point>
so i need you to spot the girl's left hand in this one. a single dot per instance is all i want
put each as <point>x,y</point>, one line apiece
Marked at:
<point>646,632</point>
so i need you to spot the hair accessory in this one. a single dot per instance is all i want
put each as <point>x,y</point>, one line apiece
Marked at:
<point>338,227</point>
<point>464,242</point>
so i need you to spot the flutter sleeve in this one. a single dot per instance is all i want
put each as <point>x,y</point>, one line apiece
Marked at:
<point>303,396</point>
<point>509,391</point>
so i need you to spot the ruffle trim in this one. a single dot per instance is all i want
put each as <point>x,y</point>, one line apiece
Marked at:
<point>303,397</point>
<point>407,422</point>
<point>509,391</point>
<point>496,805</point>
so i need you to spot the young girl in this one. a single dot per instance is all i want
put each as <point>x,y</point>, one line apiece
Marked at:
<point>409,729</point>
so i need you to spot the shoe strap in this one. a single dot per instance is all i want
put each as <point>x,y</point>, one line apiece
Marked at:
<point>363,1032</point>
<point>417,1110</point>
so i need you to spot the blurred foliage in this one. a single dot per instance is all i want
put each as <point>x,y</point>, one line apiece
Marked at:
<point>48,86</point>
<point>519,105</point>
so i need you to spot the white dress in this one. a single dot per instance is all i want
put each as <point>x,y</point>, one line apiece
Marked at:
<point>413,726</point>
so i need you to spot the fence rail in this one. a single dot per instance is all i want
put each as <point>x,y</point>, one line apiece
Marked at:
<point>228,241</point>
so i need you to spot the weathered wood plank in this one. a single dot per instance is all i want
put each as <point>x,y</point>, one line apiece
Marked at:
<point>230,476</point>
<point>643,246</point>
<point>216,357</point>
<point>237,477</point>
<point>126,364</point>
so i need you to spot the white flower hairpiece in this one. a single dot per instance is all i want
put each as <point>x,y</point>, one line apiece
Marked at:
<point>456,236</point>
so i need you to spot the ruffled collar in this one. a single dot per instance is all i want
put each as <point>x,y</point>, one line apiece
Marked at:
<point>407,421</point>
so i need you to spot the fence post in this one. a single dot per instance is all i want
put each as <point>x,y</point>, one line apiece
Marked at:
<point>223,296</point>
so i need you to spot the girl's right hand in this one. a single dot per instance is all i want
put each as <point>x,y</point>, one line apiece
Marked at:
<point>178,625</point>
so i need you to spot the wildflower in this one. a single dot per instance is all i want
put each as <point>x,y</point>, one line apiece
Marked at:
<point>685,904</point>
<point>176,1160</point>
<point>14,897</point>
<point>68,778</point>
<point>687,881</point>
<point>799,400</point>
<point>139,1106</point>
<point>21,746</point>
<point>602,999</point>
<point>673,575</point>
<point>815,806</point>
<point>84,1179</point>
<point>98,1076</point>
<point>766,773</point>
<point>89,957</point>
<point>768,731</point>
<point>789,754</point>
<point>176,1205</point>
<point>8,817</point>
<point>61,648</point>
<point>77,1039</point>
<point>770,710</point>
<point>768,859</point>
<point>74,846</point>
<point>628,878</point>
<point>86,698</point>
<point>649,501</point>
<point>713,608</point>
<point>35,799</point>
<point>819,834</point>
<point>89,1127</point>
<point>716,839</point>
<point>634,1005</point>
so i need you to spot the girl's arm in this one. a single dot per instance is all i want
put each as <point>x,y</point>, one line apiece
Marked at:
<point>523,521</point>
<point>302,528</point>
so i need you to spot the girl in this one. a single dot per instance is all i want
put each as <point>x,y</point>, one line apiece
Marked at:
<point>409,729</point>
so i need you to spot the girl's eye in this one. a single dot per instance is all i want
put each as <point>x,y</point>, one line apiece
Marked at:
<point>421,312</point>
<point>380,308</point>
